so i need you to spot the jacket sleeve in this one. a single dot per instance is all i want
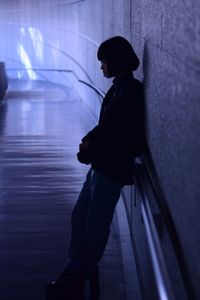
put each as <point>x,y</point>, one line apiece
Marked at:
<point>91,135</point>
<point>123,119</point>
<point>122,124</point>
<point>104,129</point>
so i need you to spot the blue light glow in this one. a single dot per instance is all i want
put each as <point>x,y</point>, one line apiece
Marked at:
<point>26,61</point>
<point>37,40</point>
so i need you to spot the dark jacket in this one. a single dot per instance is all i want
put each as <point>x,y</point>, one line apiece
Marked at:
<point>119,135</point>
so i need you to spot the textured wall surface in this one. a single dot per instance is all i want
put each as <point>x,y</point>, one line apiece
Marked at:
<point>171,76</point>
<point>166,36</point>
<point>3,82</point>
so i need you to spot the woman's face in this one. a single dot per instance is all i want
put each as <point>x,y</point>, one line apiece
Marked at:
<point>105,69</point>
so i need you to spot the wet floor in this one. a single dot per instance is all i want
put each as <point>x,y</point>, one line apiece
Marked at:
<point>40,178</point>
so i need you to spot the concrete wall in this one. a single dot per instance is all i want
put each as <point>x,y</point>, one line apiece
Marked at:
<point>171,75</point>
<point>3,82</point>
<point>166,36</point>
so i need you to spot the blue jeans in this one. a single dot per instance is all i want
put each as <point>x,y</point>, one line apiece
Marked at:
<point>91,219</point>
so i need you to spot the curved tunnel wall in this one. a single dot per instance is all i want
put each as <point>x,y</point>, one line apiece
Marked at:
<point>166,37</point>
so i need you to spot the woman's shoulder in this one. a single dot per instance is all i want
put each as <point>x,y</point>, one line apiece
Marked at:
<point>130,87</point>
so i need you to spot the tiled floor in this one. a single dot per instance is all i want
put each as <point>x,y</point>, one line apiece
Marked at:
<point>40,178</point>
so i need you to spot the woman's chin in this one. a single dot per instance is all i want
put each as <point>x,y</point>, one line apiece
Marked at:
<point>107,75</point>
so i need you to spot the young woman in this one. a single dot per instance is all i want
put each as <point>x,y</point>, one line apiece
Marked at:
<point>109,148</point>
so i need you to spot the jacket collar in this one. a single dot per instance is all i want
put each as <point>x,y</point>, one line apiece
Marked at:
<point>122,77</point>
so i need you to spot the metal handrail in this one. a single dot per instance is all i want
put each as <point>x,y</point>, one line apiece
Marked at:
<point>153,180</point>
<point>44,70</point>
<point>162,279</point>
<point>92,86</point>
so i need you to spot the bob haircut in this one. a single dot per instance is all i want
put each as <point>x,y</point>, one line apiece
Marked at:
<point>119,55</point>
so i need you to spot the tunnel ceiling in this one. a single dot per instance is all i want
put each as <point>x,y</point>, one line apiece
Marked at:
<point>33,4</point>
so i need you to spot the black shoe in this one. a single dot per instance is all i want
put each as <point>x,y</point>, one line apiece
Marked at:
<point>94,288</point>
<point>69,286</point>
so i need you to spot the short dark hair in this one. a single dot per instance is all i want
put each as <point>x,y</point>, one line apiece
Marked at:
<point>119,54</point>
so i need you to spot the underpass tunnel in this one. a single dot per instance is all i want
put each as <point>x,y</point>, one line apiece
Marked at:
<point>54,46</point>
<point>49,50</point>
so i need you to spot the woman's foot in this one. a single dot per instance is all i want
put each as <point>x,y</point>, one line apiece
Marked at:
<point>94,286</point>
<point>69,286</point>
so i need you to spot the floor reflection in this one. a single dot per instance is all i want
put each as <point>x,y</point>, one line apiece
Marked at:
<point>40,178</point>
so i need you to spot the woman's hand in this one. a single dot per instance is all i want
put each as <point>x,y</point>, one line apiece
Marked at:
<point>84,146</point>
<point>83,155</point>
